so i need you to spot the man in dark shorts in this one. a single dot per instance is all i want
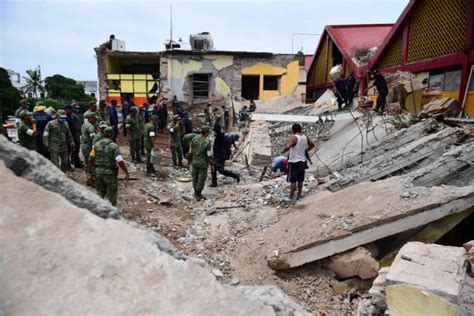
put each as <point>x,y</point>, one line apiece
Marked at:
<point>297,145</point>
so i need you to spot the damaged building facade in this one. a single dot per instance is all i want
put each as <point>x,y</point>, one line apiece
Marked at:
<point>195,75</point>
<point>435,41</point>
<point>346,45</point>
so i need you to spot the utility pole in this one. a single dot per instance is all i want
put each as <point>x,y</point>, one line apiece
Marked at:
<point>171,26</point>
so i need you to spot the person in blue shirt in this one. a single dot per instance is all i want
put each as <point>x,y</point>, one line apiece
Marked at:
<point>112,115</point>
<point>125,111</point>
<point>42,118</point>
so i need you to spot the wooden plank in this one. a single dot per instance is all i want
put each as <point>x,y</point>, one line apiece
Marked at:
<point>333,246</point>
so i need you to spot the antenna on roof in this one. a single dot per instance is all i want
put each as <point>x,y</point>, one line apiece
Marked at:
<point>171,26</point>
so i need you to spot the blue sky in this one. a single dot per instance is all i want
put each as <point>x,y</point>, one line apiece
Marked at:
<point>60,35</point>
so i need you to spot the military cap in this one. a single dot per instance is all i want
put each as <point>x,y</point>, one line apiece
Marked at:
<point>205,129</point>
<point>103,124</point>
<point>92,103</point>
<point>61,113</point>
<point>108,131</point>
<point>24,113</point>
<point>23,102</point>
<point>134,109</point>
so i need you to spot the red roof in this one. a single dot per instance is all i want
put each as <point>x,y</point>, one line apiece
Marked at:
<point>308,59</point>
<point>346,37</point>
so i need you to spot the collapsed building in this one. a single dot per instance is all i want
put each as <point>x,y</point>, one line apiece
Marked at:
<point>201,74</point>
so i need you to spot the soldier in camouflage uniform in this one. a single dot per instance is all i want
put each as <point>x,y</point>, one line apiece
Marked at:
<point>175,141</point>
<point>105,157</point>
<point>56,139</point>
<point>100,135</point>
<point>23,106</point>
<point>27,130</point>
<point>149,133</point>
<point>101,111</point>
<point>199,159</point>
<point>92,109</point>
<point>88,132</point>
<point>74,122</point>
<point>186,141</point>
<point>132,124</point>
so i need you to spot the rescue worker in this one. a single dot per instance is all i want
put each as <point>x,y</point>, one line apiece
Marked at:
<point>142,121</point>
<point>175,141</point>
<point>340,91</point>
<point>74,123</point>
<point>112,116</point>
<point>186,141</point>
<point>23,106</point>
<point>92,109</point>
<point>105,157</point>
<point>350,88</point>
<point>175,105</point>
<point>125,112</point>
<point>133,125</point>
<point>88,133</point>
<point>27,130</point>
<point>100,134</point>
<point>219,157</point>
<point>225,110</point>
<point>42,118</point>
<point>381,84</point>
<point>149,133</point>
<point>199,159</point>
<point>56,139</point>
<point>101,116</point>
<point>208,114</point>
<point>298,144</point>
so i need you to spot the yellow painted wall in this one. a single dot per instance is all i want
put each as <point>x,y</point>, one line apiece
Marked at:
<point>222,87</point>
<point>112,65</point>
<point>220,61</point>
<point>288,80</point>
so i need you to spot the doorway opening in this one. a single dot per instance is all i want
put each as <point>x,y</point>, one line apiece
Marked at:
<point>250,87</point>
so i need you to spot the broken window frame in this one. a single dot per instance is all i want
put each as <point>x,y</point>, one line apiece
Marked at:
<point>271,86</point>
<point>200,88</point>
<point>447,80</point>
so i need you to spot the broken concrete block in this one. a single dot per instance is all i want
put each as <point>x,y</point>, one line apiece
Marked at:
<point>57,259</point>
<point>440,108</point>
<point>425,279</point>
<point>469,246</point>
<point>358,262</point>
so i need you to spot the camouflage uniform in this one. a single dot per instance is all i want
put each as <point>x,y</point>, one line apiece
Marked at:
<point>199,161</point>
<point>141,122</point>
<point>187,139</point>
<point>175,143</point>
<point>27,141</point>
<point>57,137</point>
<point>97,138</point>
<point>88,133</point>
<point>133,127</point>
<point>100,115</point>
<point>105,153</point>
<point>148,132</point>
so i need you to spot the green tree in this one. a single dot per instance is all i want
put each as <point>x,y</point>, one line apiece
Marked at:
<point>9,95</point>
<point>34,84</point>
<point>60,87</point>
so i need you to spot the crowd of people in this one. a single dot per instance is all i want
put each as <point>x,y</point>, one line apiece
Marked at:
<point>61,135</point>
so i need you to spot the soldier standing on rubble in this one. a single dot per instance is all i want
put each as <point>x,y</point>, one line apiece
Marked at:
<point>176,148</point>
<point>88,133</point>
<point>27,130</point>
<point>298,144</point>
<point>135,134</point>
<point>149,133</point>
<point>219,157</point>
<point>199,159</point>
<point>105,157</point>
<point>381,84</point>
<point>56,139</point>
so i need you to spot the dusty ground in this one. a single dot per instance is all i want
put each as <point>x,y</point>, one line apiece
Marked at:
<point>227,240</point>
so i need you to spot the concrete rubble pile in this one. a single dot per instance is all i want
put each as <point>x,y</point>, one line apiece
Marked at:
<point>440,109</point>
<point>424,279</point>
<point>279,105</point>
<point>258,144</point>
<point>327,102</point>
<point>58,256</point>
<point>402,86</point>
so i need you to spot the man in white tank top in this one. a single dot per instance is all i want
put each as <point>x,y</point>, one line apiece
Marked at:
<point>298,144</point>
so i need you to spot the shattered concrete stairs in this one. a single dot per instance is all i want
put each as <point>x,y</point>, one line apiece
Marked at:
<point>58,257</point>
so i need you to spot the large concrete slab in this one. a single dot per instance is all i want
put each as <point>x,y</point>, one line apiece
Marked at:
<point>320,225</point>
<point>290,118</point>
<point>58,259</point>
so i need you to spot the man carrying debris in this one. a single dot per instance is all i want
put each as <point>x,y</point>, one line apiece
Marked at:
<point>175,141</point>
<point>381,84</point>
<point>149,133</point>
<point>298,144</point>
<point>56,139</point>
<point>27,130</point>
<point>132,124</point>
<point>105,156</point>
<point>88,133</point>
<point>199,159</point>
<point>219,157</point>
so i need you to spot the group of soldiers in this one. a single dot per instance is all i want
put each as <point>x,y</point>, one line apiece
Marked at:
<point>60,136</point>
